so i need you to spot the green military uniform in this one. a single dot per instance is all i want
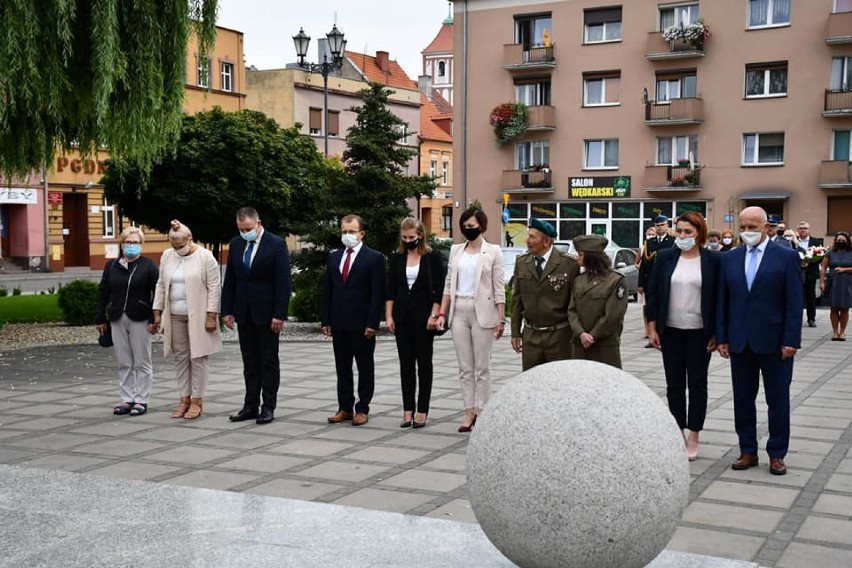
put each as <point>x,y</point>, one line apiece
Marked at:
<point>541,304</point>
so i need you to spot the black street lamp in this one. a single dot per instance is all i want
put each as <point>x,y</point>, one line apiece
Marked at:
<point>337,46</point>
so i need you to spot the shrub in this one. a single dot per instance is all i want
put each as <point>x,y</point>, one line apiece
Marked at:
<point>508,310</point>
<point>3,292</point>
<point>16,291</point>
<point>78,301</point>
<point>305,305</point>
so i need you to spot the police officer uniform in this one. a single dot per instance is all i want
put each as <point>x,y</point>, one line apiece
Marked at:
<point>649,251</point>
<point>540,301</point>
<point>597,307</point>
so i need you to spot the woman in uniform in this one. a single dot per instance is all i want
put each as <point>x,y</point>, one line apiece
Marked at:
<point>598,304</point>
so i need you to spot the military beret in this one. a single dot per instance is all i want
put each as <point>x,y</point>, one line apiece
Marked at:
<point>773,220</point>
<point>590,243</point>
<point>660,219</point>
<point>543,226</point>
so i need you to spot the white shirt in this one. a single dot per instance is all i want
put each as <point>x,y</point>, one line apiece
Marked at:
<point>355,252</point>
<point>545,256</point>
<point>685,297</point>
<point>466,280</point>
<point>411,273</point>
<point>256,245</point>
<point>177,290</point>
<point>804,242</point>
<point>761,251</point>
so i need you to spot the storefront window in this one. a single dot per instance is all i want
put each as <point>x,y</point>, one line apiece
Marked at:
<point>545,211</point>
<point>570,229</point>
<point>654,208</point>
<point>626,233</point>
<point>627,210</point>
<point>699,207</point>
<point>599,210</point>
<point>518,211</point>
<point>572,210</point>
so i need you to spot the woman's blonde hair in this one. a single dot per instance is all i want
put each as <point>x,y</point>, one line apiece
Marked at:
<point>179,230</point>
<point>411,223</point>
<point>131,231</point>
<point>792,233</point>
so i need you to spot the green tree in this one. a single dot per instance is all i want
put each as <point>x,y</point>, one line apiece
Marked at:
<point>90,73</point>
<point>224,161</point>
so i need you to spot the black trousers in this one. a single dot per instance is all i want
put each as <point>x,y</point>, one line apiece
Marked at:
<point>686,360</point>
<point>261,370</point>
<point>348,346</point>
<point>810,296</point>
<point>414,345</point>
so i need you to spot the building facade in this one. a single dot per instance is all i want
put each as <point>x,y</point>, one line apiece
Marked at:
<point>438,60</point>
<point>436,160</point>
<point>647,107</point>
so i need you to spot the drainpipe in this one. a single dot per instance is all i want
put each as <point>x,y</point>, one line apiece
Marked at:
<point>464,105</point>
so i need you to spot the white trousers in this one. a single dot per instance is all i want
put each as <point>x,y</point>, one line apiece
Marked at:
<point>473,349</point>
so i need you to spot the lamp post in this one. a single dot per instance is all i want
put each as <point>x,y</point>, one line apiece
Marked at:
<point>336,45</point>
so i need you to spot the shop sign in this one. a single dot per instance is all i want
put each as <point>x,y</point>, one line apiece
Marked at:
<point>616,187</point>
<point>77,165</point>
<point>18,195</point>
<point>54,197</point>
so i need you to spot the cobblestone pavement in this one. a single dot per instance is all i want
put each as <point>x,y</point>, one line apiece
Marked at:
<point>55,413</point>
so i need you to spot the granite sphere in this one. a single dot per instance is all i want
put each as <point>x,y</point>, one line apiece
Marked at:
<point>576,463</point>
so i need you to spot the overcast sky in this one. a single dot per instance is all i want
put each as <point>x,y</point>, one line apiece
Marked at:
<point>403,28</point>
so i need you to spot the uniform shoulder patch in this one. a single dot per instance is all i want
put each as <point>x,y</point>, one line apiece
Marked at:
<point>620,292</point>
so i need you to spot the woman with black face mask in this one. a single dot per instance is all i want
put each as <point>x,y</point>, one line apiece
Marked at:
<point>415,285</point>
<point>838,262</point>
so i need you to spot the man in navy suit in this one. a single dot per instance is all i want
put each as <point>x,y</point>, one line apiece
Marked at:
<point>758,325</point>
<point>811,270</point>
<point>256,294</point>
<point>352,302</point>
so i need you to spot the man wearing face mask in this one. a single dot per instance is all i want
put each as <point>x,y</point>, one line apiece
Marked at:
<point>353,296</point>
<point>811,270</point>
<point>662,241</point>
<point>256,295</point>
<point>758,325</point>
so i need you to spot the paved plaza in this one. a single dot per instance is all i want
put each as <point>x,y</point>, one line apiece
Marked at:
<point>55,414</point>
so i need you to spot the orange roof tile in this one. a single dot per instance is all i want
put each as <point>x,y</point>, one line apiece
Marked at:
<point>443,42</point>
<point>434,124</point>
<point>369,67</point>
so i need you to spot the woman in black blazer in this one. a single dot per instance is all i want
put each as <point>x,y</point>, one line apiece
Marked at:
<point>681,296</point>
<point>415,286</point>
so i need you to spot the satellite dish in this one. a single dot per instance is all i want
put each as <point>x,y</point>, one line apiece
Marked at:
<point>691,161</point>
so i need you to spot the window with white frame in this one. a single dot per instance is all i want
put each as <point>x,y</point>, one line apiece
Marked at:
<point>600,154</point>
<point>766,80</point>
<point>108,215</point>
<point>601,89</point>
<point>840,145</point>
<point>532,153</point>
<point>678,16</point>
<point>764,13</point>
<point>445,172</point>
<point>433,168</point>
<point>227,77</point>
<point>763,148</point>
<point>676,85</point>
<point>841,73</point>
<point>842,6</point>
<point>602,25</point>
<point>442,69</point>
<point>533,92</point>
<point>203,71</point>
<point>672,150</point>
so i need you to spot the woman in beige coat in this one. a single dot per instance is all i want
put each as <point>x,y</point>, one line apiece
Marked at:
<point>187,304</point>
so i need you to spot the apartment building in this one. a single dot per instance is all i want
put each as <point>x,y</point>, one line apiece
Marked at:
<point>641,108</point>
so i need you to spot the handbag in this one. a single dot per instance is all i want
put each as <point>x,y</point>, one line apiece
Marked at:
<point>435,332</point>
<point>105,340</point>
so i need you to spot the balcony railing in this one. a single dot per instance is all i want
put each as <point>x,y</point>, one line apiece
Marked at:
<point>835,173</point>
<point>515,56</point>
<point>839,28</point>
<point>838,102</point>
<point>680,177</point>
<point>687,110</point>
<point>542,117</point>
<point>658,48</point>
<point>528,180</point>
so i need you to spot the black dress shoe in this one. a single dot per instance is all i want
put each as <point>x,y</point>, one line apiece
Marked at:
<point>244,414</point>
<point>265,417</point>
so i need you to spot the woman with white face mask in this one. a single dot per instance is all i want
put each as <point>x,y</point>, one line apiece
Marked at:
<point>727,241</point>
<point>681,296</point>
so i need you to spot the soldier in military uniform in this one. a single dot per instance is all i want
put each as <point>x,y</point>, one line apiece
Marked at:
<point>541,293</point>
<point>598,304</point>
<point>662,240</point>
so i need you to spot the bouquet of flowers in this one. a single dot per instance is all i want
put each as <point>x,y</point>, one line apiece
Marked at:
<point>509,121</point>
<point>813,255</point>
<point>694,34</point>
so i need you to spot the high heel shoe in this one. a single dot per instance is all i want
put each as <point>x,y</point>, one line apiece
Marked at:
<point>466,428</point>
<point>417,424</point>
<point>406,423</point>
<point>692,446</point>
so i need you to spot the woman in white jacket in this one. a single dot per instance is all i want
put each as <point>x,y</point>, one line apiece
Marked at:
<point>186,303</point>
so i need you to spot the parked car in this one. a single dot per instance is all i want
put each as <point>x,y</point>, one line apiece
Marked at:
<point>623,260</point>
<point>509,256</point>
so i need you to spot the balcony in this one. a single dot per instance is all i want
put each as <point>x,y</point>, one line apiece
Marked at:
<point>835,174</point>
<point>541,118</point>
<point>687,110</point>
<point>658,49</point>
<point>528,181</point>
<point>672,178</point>
<point>839,28</point>
<point>516,58</point>
<point>838,103</point>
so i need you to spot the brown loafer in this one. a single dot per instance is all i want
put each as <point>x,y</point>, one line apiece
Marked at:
<point>745,461</point>
<point>777,467</point>
<point>360,419</point>
<point>341,416</point>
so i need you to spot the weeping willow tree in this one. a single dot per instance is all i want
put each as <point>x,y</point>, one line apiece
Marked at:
<point>88,73</point>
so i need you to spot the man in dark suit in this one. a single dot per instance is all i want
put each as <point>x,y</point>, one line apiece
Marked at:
<point>811,271</point>
<point>662,240</point>
<point>758,325</point>
<point>352,300</point>
<point>256,294</point>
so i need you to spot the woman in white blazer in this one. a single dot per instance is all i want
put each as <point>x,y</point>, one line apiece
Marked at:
<point>187,304</point>
<point>473,307</point>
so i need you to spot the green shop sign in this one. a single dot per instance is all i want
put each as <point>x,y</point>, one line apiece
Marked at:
<point>597,187</point>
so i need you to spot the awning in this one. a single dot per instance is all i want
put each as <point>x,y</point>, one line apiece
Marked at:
<point>765,195</point>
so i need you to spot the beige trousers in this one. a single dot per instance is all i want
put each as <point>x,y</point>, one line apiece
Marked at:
<point>191,372</point>
<point>473,349</point>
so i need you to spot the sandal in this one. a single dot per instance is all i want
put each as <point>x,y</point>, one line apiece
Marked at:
<point>138,409</point>
<point>123,408</point>
<point>195,408</point>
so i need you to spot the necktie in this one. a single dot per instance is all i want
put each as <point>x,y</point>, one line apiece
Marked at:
<point>539,265</point>
<point>751,270</point>
<point>247,255</point>
<point>346,264</point>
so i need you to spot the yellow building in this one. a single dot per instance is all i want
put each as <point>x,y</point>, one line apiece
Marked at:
<point>436,153</point>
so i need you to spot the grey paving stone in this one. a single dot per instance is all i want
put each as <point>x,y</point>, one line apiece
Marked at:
<point>134,470</point>
<point>42,424</point>
<point>840,482</point>
<point>426,480</point>
<point>431,441</point>
<point>715,543</point>
<point>344,471</point>
<point>294,489</point>
<point>119,448</point>
<point>451,462</point>
<point>268,463</point>
<point>731,516</point>
<point>62,462</point>
<point>804,460</point>
<point>311,447</point>
<point>834,504</point>
<point>827,530</point>
<point>211,479</point>
<point>382,500</point>
<point>456,510</point>
<point>795,477</point>
<point>190,455</point>
<point>240,440</point>
<point>386,455</point>
<point>845,466</point>
<point>348,433</point>
<point>751,493</point>
<point>181,431</point>
<point>802,555</point>
<point>815,433</point>
<point>113,428</point>
<point>50,441</point>
<point>15,455</point>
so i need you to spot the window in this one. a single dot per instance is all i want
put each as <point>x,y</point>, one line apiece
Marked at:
<point>315,121</point>
<point>601,153</point>
<point>433,168</point>
<point>533,92</point>
<point>602,25</point>
<point>841,73</point>
<point>442,69</point>
<point>676,85</point>
<point>842,6</point>
<point>672,150</point>
<point>334,123</point>
<point>764,148</point>
<point>602,89</point>
<point>532,153</point>
<point>108,213</point>
<point>445,173</point>
<point>534,31</point>
<point>764,13</point>
<point>678,16</point>
<point>203,68</point>
<point>403,134</point>
<point>840,145</point>
<point>447,218</point>
<point>766,80</point>
<point>227,83</point>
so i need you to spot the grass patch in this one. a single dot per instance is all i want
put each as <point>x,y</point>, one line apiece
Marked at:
<point>30,309</point>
